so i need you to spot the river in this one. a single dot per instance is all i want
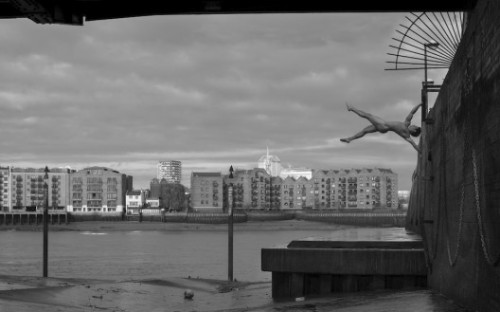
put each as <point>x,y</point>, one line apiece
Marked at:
<point>142,254</point>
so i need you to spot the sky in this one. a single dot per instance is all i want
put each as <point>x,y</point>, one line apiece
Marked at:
<point>211,91</point>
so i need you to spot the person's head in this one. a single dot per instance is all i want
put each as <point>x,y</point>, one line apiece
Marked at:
<point>414,130</point>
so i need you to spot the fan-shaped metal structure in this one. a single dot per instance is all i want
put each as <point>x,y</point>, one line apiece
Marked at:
<point>421,29</point>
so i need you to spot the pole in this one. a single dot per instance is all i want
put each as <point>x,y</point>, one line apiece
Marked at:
<point>230,233</point>
<point>424,87</point>
<point>46,225</point>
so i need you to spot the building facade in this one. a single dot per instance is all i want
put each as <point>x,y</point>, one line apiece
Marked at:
<point>206,191</point>
<point>97,190</point>
<point>170,170</point>
<point>365,189</point>
<point>5,189</point>
<point>296,194</point>
<point>134,201</point>
<point>27,188</point>
<point>254,189</point>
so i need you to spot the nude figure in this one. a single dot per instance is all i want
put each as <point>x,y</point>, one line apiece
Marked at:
<point>404,129</point>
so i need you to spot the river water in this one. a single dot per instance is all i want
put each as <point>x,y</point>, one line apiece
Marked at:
<point>143,254</point>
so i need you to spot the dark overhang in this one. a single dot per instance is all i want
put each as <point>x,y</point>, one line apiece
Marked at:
<point>77,11</point>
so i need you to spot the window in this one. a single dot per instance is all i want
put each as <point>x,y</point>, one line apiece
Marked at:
<point>94,188</point>
<point>94,195</point>
<point>94,180</point>
<point>94,203</point>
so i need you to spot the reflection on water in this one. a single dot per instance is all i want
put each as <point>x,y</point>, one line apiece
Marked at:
<point>93,233</point>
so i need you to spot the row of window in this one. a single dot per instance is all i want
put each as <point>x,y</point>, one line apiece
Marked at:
<point>94,203</point>
<point>207,202</point>
<point>94,180</point>
<point>94,209</point>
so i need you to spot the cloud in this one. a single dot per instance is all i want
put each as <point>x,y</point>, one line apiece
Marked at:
<point>207,90</point>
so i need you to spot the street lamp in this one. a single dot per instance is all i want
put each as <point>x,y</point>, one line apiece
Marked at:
<point>46,223</point>
<point>433,45</point>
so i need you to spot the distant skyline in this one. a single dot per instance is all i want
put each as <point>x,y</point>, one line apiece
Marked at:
<point>211,91</point>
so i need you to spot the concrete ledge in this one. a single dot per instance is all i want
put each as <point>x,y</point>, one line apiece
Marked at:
<point>369,261</point>
<point>322,266</point>
<point>315,243</point>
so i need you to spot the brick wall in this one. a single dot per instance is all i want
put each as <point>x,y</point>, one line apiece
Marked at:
<point>461,155</point>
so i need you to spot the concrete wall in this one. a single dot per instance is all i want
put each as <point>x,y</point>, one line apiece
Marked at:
<point>461,159</point>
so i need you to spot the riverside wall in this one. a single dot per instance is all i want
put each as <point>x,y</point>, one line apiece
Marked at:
<point>455,198</point>
<point>359,218</point>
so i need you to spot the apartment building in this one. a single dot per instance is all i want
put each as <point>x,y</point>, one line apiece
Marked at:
<point>27,188</point>
<point>98,190</point>
<point>170,170</point>
<point>254,189</point>
<point>206,191</point>
<point>5,191</point>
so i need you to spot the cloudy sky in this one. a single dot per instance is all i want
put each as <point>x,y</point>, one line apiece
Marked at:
<point>211,91</point>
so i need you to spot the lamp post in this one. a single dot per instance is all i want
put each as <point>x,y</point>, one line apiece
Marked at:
<point>230,227</point>
<point>46,223</point>
<point>429,45</point>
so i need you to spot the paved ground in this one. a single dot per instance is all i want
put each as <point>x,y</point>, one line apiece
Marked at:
<point>52,294</point>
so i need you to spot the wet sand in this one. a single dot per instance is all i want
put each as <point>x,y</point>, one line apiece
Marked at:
<point>56,294</point>
<point>107,226</point>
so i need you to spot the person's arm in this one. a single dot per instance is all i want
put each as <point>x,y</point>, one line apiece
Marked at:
<point>413,143</point>
<point>410,116</point>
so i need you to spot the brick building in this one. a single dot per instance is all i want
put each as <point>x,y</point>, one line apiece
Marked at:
<point>254,189</point>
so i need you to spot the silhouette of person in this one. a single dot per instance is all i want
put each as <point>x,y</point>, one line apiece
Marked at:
<point>404,129</point>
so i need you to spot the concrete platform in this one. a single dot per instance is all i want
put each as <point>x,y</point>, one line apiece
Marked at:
<point>324,265</point>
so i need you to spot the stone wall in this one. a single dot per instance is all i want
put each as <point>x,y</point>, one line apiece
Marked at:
<point>455,200</point>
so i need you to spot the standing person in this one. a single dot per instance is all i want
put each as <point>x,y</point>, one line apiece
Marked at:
<point>403,128</point>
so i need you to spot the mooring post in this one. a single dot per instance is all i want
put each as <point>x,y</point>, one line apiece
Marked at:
<point>230,227</point>
<point>46,224</point>
<point>230,233</point>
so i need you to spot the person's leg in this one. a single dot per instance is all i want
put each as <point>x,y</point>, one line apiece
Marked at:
<point>378,122</point>
<point>369,129</point>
